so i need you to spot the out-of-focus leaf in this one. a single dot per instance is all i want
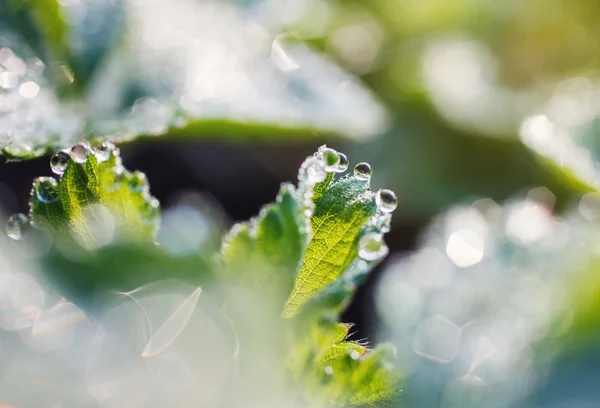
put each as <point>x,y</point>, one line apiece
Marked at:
<point>40,23</point>
<point>265,252</point>
<point>342,373</point>
<point>89,278</point>
<point>202,79</point>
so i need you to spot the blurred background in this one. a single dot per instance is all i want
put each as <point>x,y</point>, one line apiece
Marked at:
<point>450,102</point>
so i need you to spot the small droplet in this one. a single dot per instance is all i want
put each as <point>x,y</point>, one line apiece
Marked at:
<point>354,354</point>
<point>342,164</point>
<point>152,210</point>
<point>17,226</point>
<point>331,160</point>
<point>363,171</point>
<point>316,172</point>
<point>329,370</point>
<point>45,189</point>
<point>371,247</point>
<point>59,162</point>
<point>386,201</point>
<point>104,151</point>
<point>80,153</point>
<point>383,222</point>
<point>137,182</point>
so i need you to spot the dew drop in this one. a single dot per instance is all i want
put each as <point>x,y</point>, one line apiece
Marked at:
<point>316,172</point>
<point>152,210</point>
<point>342,164</point>
<point>59,162</point>
<point>45,189</point>
<point>80,153</point>
<point>329,370</point>
<point>354,354</point>
<point>383,222</point>
<point>104,151</point>
<point>386,201</point>
<point>137,182</point>
<point>371,247</point>
<point>363,171</point>
<point>330,158</point>
<point>17,226</point>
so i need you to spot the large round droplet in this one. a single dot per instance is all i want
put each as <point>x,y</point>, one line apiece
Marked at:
<point>342,164</point>
<point>59,162</point>
<point>363,171</point>
<point>315,172</point>
<point>17,226</point>
<point>137,182</point>
<point>371,247</point>
<point>386,200</point>
<point>46,189</point>
<point>104,151</point>
<point>80,153</point>
<point>330,158</point>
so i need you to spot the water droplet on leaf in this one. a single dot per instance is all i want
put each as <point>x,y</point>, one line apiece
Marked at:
<point>363,171</point>
<point>104,151</point>
<point>152,210</point>
<point>137,182</point>
<point>59,162</point>
<point>45,189</point>
<point>329,370</point>
<point>342,164</point>
<point>17,226</point>
<point>80,153</point>
<point>371,247</point>
<point>386,200</point>
<point>330,158</point>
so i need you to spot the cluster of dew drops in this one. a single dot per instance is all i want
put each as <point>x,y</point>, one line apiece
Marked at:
<point>371,246</point>
<point>45,191</point>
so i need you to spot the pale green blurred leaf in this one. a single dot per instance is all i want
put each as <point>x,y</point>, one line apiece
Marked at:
<point>202,80</point>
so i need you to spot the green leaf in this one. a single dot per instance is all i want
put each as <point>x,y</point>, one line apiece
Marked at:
<point>339,220</point>
<point>305,248</point>
<point>340,372</point>
<point>90,278</point>
<point>260,264</point>
<point>278,235</point>
<point>94,200</point>
<point>279,248</point>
